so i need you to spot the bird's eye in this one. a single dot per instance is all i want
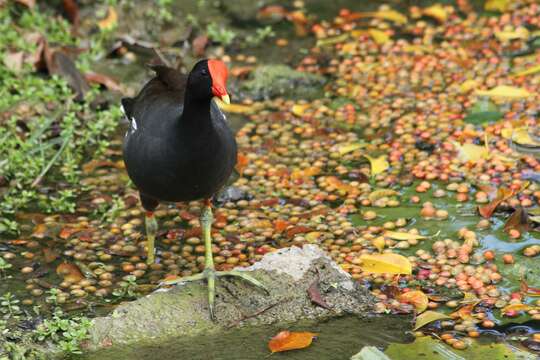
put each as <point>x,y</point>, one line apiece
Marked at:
<point>204,72</point>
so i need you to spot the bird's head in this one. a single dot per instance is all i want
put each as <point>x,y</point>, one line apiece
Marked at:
<point>208,79</point>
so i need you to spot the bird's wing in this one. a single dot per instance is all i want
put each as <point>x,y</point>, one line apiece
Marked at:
<point>159,103</point>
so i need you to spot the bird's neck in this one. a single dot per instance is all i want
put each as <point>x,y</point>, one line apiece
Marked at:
<point>196,112</point>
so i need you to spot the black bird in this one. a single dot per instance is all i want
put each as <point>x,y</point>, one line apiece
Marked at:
<point>180,148</point>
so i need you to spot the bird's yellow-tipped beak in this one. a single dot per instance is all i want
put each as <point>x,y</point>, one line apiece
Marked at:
<point>226,99</point>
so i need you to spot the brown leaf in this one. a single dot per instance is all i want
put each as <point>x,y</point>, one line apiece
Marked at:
<point>49,255</point>
<point>70,272</point>
<point>416,298</point>
<point>287,340</point>
<point>14,61</point>
<point>66,232</point>
<point>72,12</point>
<point>502,194</point>
<point>241,163</point>
<point>90,166</point>
<point>40,231</point>
<point>297,230</point>
<point>104,80</point>
<point>28,3</point>
<point>517,221</point>
<point>199,45</point>
<point>315,295</point>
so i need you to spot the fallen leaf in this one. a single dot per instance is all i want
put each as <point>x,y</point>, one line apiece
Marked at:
<point>379,243</point>
<point>28,3</point>
<point>378,165</point>
<point>280,225</point>
<point>497,5</point>
<point>396,235</point>
<point>299,109</point>
<point>237,108</point>
<point>340,185</point>
<point>504,91</point>
<point>40,231</point>
<point>347,148</point>
<point>464,312</point>
<point>517,308</point>
<point>110,20</point>
<point>90,166</point>
<point>517,221</point>
<point>49,255</point>
<point>305,173</point>
<point>503,194</point>
<point>519,33</point>
<point>416,298</point>
<point>104,80</point>
<point>427,318</point>
<point>388,263</point>
<point>315,294</point>
<point>468,85</point>
<point>378,194</point>
<point>379,36</point>
<point>14,61</point>
<point>66,232</point>
<point>437,12</point>
<point>241,162</point>
<point>72,11</point>
<point>471,152</point>
<point>287,340</point>
<point>529,71</point>
<point>297,230</point>
<point>519,136</point>
<point>70,272</point>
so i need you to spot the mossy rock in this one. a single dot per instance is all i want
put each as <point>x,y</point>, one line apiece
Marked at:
<point>269,81</point>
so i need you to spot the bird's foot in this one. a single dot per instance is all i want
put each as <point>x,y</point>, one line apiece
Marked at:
<point>210,275</point>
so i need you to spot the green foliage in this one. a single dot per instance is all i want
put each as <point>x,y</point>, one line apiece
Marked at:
<point>9,306</point>
<point>260,36</point>
<point>126,289</point>
<point>58,133</point>
<point>220,34</point>
<point>66,332</point>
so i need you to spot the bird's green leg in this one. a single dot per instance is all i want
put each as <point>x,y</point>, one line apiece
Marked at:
<point>209,270</point>
<point>151,230</point>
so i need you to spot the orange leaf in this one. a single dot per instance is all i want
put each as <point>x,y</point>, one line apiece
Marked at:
<point>40,231</point>
<point>110,21</point>
<point>340,185</point>
<point>286,340</point>
<point>465,312</point>
<point>502,194</point>
<point>299,229</point>
<point>241,163</point>
<point>416,298</point>
<point>280,225</point>
<point>70,272</point>
<point>66,232</point>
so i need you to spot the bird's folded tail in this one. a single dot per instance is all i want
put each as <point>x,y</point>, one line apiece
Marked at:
<point>127,107</point>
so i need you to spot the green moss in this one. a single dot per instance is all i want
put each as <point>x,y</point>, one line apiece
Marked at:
<point>269,81</point>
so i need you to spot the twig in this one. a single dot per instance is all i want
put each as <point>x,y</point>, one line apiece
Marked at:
<point>161,57</point>
<point>53,160</point>
<point>257,313</point>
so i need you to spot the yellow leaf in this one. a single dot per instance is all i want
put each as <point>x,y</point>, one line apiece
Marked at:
<point>299,109</point>
<point>519,33</point>
<point>497,5</point>
<point>428,317</point>
<point>416,298</point>
<point>380,37</point>
<point>436,11</point>
<point>517,307</point>
<point>313,236</point>
<point>379,243</point>
<point>377,194</point>
<point>468,85</point>
<point>504,91</point>
<point>349,48</point>
<point>396,235</point>
<point>287,340</point>
<point>471,152</point>
<point>110,21</point>
<point>391,15</point>
<point>519,136</point>
<point>347,148</point>
<point>529,71</point>
<point>378,165</point>
<point>388,263</point>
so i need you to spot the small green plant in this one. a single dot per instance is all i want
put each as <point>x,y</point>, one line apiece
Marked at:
<point>66,332</point>
<point>4,266</point>
<point>9,306</point>
<point>260,36</point>
<point>220,34</point>
<point>126,289</point>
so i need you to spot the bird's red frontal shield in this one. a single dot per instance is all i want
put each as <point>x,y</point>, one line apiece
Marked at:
<point>218,72</point>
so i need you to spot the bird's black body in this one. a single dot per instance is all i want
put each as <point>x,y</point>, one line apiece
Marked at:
<point>179,146</point>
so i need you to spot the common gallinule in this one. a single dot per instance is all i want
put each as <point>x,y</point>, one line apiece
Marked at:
<point>180,148</point>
